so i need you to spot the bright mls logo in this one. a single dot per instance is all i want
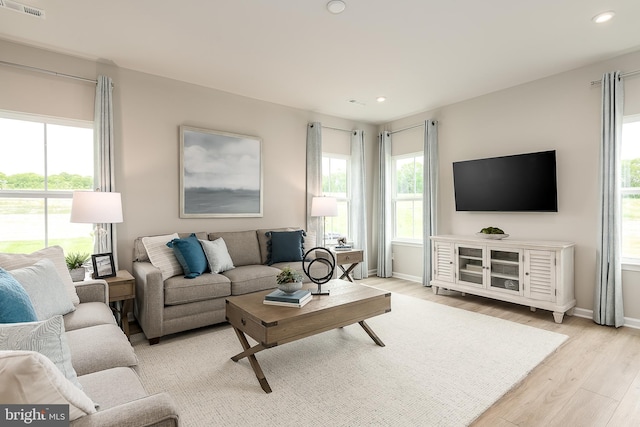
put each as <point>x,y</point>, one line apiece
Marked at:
<point>34,415</point>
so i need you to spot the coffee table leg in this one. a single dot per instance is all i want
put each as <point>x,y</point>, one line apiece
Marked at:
<point>372,334</point>
<point>252,359</point>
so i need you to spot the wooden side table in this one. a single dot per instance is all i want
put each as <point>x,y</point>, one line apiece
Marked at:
<point>122,288</point>
<point>352,257</point>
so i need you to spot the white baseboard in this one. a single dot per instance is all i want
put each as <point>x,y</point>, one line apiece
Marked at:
<point>417,279</point>
<point>629,322</point>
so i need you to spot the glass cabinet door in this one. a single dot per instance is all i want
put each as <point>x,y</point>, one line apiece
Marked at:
<point>505,274</point>
<point>470,265</point>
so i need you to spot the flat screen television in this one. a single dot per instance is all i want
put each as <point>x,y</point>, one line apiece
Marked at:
<point>518,183</point>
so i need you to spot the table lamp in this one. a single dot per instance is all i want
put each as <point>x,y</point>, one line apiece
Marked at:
<point>97,207</point>
<point>324,207</point>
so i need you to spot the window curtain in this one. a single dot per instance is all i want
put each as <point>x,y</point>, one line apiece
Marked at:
<point>358,211</point>
<point>104,143</point>
<point>608,308</point>
<point>314,178</point>
<point>384,225</point>
<point>429,195</point>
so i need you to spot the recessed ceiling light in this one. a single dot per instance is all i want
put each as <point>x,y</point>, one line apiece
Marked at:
<point>603,17</point>
<point>336,6</point>
<point>381,99</point>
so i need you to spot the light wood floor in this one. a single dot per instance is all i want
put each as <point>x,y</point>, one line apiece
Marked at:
<point>593,379</point>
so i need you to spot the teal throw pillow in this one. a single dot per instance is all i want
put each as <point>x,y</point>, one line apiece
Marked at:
<point>190,256</point>
<point>15,305</point>
<point>285,246</point>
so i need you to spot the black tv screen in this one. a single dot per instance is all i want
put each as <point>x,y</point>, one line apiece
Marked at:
<point>518,183</point>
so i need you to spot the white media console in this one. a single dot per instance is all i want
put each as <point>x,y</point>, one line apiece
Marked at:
<point>528,272</point>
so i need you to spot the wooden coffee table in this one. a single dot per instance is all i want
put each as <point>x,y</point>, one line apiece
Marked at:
<point>271,325</point>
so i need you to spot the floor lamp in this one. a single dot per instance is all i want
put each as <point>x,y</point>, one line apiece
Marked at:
<point>324,207</point>
<point>97,207</point>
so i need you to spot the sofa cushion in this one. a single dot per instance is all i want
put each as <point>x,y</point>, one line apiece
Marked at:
<point>178,290</point>
<point>285,246</point>
<point>161,256</point>
<point>112,387</point>
<point>217,255</point>
<point>47,337</point>
<point>29,377</point>
<point>100,347</point>
<point>190,255</point>
<point>45,288</point>
<point>251,278</point>
<point>263,240</point>
<point>55,254</point>
<point>89,314</point>
<point>242,245</point>
<point>15,305</point>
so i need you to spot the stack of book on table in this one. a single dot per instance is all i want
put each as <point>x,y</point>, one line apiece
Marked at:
<point>297,299</point>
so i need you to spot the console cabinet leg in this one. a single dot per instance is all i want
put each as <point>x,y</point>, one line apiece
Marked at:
<point>557,316</point>
<point>533,309</point>
<point>434,289</point>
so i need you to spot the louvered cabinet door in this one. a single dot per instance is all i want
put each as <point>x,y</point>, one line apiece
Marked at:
<point>442,265</point>
<point>540,275</point>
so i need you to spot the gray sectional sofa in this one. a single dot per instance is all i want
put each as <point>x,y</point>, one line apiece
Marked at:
<point>174,304</point>
<point>101,358</point>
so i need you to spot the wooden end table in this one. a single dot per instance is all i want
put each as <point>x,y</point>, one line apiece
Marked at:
<point>122,288</point>
<point>271,325</point>
<point>352,257</point>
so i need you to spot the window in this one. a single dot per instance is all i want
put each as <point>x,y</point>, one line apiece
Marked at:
<point>335,183</point>
<point>42,160</point>
<point>630,192</point>
<point>407,186</point>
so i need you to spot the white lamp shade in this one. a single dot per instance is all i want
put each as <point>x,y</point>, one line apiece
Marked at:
<point>96,207</point>
<point>324,206</point>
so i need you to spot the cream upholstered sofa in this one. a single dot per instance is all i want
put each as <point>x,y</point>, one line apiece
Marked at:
<point>167,302</point>
<point>102,359</point>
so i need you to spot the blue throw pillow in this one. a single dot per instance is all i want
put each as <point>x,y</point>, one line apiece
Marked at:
<point>190,256</point>
<point>15,305</point>
<point>285,246</point>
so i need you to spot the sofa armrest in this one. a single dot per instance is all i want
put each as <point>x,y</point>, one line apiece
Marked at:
<point>155,410</point>
<point>93,291</point>
<point>149,303</point>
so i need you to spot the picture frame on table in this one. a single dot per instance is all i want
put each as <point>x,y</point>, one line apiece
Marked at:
<point>220,174</point>
<point>103,265</point>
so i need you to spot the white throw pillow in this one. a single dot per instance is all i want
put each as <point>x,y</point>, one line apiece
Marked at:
<point>217,255</point>
<point>162,256</point>
<point>46,337</point>
<point>55,254</point>
<point>30,378</point>
<point>45,288</point>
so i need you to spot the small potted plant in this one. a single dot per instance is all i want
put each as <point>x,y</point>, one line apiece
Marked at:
<point>289,280</point>
<point>75,261</point>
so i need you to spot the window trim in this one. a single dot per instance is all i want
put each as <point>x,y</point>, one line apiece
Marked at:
<point>346,199</point>
<point>45,193</point>
<point>629,263</point>
<point>395,198</point>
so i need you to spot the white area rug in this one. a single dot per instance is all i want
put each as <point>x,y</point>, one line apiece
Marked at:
<point>441,366</point>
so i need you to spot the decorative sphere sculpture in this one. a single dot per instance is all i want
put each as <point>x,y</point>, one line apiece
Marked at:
<point>329,261</point>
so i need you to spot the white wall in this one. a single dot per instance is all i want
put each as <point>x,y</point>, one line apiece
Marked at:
<point>148,112</point>
<point>561,112</point>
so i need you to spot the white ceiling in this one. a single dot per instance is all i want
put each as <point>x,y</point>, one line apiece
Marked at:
<point>420,54</point>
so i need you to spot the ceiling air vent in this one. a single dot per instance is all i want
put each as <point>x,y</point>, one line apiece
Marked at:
<point>22,8</point>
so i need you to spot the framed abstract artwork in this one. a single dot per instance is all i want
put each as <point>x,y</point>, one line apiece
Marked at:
<point>220,174</point>
<point>103,265</point>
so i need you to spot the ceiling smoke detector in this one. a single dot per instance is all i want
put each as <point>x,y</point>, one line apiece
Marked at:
<point>336,6</point>
<point>22,8</point>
